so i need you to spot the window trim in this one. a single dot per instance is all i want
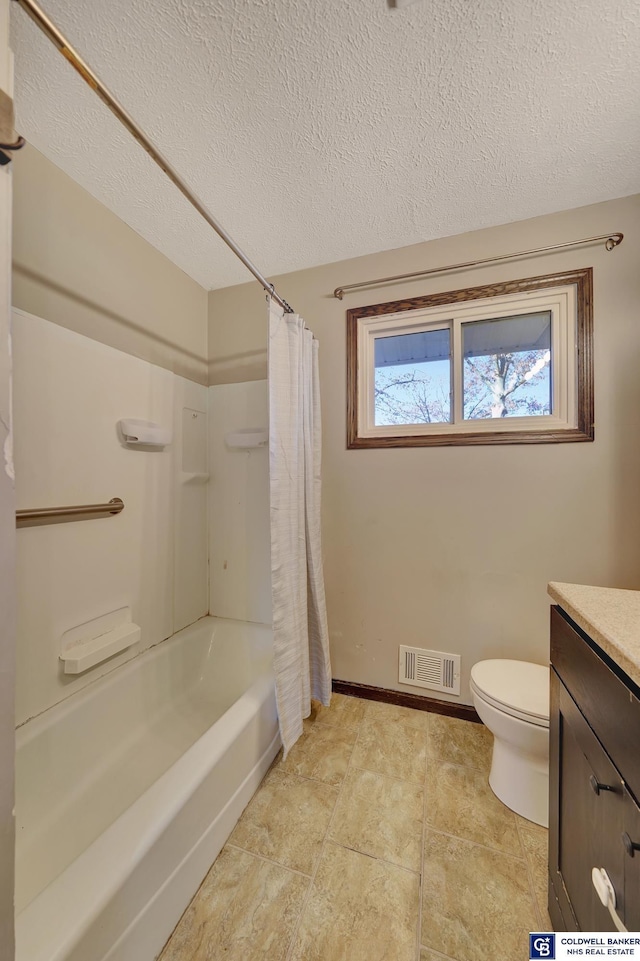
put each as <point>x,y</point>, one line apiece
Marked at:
<point>484,432</point>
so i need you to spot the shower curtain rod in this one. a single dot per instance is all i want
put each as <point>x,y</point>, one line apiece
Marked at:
<point>611,240</point>
<point>49,29</point>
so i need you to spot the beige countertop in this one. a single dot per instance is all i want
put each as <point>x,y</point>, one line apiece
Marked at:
<point>611,617</point>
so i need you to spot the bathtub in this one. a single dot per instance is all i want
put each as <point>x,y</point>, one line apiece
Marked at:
<point>127,791</point>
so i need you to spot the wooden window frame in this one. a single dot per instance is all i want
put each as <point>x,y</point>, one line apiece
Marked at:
<point>583,430</point>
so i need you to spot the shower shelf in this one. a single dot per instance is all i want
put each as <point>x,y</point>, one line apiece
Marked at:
<point>247,437</point>
<point>195,478</point>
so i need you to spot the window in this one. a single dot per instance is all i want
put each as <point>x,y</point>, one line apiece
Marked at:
<point>502,364</point>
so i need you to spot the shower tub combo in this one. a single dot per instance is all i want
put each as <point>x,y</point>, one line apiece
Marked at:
<point>126,792</point>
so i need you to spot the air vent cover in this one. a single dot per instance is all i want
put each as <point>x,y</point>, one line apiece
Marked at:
<point>434,670</point>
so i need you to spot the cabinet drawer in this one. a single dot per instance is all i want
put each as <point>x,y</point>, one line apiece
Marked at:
<point>587,823</point>
<point>607,702</point>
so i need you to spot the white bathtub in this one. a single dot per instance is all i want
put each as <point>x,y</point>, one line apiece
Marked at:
<point>126,792</point>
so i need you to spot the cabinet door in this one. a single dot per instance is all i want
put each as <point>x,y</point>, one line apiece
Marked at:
<point>631,908</point>
<point>589,826</point>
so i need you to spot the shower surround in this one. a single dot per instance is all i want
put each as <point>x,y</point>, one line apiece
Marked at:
<point>69,394</point>
<point>132,774</point>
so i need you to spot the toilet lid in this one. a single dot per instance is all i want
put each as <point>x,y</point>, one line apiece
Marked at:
<point>517,687</point>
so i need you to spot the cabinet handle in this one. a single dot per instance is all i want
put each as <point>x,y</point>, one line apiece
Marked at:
<point>596,786</point>
<point>630,846</point>
<point>606,892</point>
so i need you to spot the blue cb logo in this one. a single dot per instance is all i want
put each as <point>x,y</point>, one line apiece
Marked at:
<point>542,946</point>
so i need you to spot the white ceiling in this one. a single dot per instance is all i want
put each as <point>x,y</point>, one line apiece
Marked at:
<point>318,130</point>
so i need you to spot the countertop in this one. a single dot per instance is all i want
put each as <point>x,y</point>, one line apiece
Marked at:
<point>611,617</point>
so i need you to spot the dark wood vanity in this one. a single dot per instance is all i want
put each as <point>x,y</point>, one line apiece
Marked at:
<point>594,817</point>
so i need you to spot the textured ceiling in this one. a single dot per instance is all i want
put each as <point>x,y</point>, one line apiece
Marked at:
<point>318,130</point>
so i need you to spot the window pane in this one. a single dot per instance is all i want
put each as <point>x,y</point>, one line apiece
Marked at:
<point>506,368</point>
<point>413,378</point>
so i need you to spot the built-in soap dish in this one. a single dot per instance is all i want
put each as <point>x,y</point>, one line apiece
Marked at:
<point>143,433</point>
<point>247,437</point>
<point>95,641</point>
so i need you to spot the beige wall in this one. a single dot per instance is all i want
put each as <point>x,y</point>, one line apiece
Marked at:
<point>452,548</point>
<point>80,266</point>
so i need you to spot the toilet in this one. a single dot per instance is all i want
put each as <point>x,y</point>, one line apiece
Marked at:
<point>512,698</point>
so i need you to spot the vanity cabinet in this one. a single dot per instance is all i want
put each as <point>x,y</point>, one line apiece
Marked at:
<point>594,753</point>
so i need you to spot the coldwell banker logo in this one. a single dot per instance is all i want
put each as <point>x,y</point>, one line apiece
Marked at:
<point>542,946</point>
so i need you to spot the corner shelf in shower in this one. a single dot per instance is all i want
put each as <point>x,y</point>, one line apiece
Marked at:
<point>246,438</point>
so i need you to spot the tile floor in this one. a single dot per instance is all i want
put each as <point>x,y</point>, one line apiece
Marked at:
<point>378,839</point>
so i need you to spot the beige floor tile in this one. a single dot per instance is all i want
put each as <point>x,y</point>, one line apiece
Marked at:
<point>364,763</point>
<point>476,903</point>
<point>246,910</point>
<point>380,816</point>
<point>395,750</point>
<point>287,820</point>
<point>343,710</point>
<point>542,834</point>
<point>322,752</point>
<point>460,801</point>
<point>394,714</point>
<point>535,841</point>
<point>359,909</point>
<point>462,742</point>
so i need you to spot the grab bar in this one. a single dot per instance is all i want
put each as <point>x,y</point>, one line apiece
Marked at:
<point>47,514</point>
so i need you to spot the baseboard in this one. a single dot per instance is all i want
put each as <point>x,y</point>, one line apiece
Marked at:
<point>463,711</point>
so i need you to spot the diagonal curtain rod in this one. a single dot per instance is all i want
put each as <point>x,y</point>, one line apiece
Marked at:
<point>49,29</point>
<point>611,241</point>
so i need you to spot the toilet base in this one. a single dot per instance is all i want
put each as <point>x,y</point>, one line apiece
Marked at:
<point>520,781</point>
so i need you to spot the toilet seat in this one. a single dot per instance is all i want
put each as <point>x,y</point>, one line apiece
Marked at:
<point>517,688</point>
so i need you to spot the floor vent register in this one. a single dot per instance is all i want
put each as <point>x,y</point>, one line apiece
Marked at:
<point>435,670</point>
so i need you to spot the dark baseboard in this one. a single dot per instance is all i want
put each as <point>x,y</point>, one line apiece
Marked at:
<point>463,711</point>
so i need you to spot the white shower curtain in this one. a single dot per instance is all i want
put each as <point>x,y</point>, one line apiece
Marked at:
<point>301,640</point>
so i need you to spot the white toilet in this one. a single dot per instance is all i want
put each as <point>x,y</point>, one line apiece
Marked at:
<point>512,698</point>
